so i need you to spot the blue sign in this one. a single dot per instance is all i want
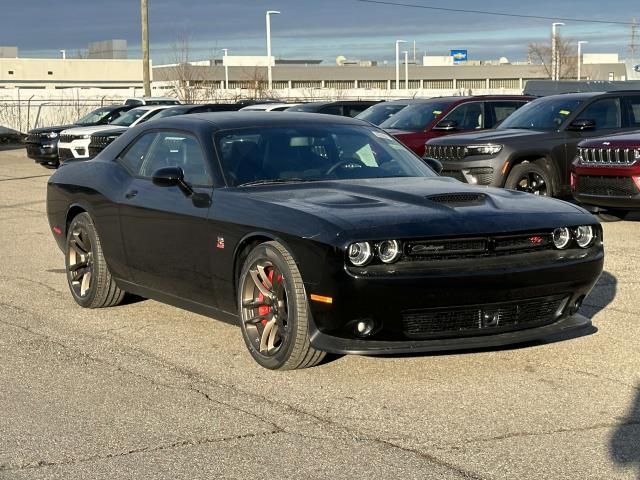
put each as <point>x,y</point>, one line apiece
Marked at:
<point>459,56</point>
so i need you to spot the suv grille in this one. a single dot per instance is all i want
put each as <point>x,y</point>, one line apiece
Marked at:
<point>455,248</point>
<point>607,156</point>
<point>69,138</point>
<point>485,318</point>
<point>607,186</point>
<point>445,152</point>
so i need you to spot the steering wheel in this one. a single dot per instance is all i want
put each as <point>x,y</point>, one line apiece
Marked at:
<point>346,163</point>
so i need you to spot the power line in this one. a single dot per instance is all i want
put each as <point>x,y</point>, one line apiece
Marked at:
<point>501,14</point>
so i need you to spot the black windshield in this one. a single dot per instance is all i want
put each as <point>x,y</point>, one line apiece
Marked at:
<point>542,114</point>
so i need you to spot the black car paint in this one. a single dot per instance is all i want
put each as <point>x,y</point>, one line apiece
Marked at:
<point>172,247</point>
<point>557,146</point>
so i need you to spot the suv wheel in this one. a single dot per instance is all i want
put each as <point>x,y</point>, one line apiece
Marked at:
<point>531,178</point>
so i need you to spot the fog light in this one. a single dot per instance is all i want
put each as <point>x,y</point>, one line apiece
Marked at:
<point>364,327</point>
<point>561,237</point>
<point>577,304</point>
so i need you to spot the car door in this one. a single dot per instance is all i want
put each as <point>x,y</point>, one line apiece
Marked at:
<point>607,115</point>
<point>166,236</point>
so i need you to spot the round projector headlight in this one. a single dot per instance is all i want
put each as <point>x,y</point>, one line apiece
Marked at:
<point>561,237</point>
<point>584,236</point>
<point>360,253</point>
<point>389,251</point>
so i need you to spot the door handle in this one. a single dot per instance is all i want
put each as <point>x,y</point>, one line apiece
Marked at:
<point>131,194</point>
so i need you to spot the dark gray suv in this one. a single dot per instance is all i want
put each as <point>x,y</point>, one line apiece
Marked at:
<point>532,149</point>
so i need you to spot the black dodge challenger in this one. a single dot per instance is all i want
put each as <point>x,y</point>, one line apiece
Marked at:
<point>318,234</point>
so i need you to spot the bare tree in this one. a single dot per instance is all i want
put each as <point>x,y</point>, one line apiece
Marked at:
<point>541,53</point>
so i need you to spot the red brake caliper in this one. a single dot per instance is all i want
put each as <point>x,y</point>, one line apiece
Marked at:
<point>264,310</point>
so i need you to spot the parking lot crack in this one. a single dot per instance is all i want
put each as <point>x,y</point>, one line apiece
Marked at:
<point>109,456</point>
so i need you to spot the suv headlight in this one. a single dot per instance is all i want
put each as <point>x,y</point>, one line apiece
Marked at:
<point>85,136</point>
<point>488,149</point>
<point>52,135</point>
<point>636,154</point>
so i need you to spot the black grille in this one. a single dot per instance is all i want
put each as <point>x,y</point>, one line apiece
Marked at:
<point>482,318</point>
<point>607,156</point>
<point>64,154</point>
<point>447,249</point>
<point>458,199</point>
<point>67,138</point>
<point>457,174</point>
<point>607,186</point>
<point>99,143</point>
<point>446,152</point>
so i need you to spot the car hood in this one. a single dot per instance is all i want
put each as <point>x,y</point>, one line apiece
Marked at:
<point>406,207</point>
<point>488,136</point>
<point>626,140</point>
<point>87,130</point>
<point>55,128</point>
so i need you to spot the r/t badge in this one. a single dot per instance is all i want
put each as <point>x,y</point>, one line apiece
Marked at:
<point>220,242</point>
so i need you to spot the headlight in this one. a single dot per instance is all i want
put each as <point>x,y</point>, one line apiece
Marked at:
<point>584,236</point>
<point>488,149</point>
<point>389,251</point>
<point>360,253</point>
<point>85,136</point>
<point>561,237</point>
<point>52,135</point>
<point>636,154</point>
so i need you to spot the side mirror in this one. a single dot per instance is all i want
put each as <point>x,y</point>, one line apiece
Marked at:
<point>168,177</point>
<point>435,165</point>
<point>582,125</point>
<point>446,125</point>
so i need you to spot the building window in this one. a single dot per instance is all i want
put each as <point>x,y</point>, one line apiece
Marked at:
<point>10,72</point>
<point>49,72</point>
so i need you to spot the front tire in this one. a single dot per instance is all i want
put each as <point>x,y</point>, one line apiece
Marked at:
<point>88,276</point>
<point>531,178</point>
<point>274,311</point>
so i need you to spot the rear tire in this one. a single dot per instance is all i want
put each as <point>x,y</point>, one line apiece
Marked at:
<point>274,311</point>
<point>531,178</point>
<point>88,276</point>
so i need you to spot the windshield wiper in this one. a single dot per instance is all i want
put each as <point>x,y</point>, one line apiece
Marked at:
<point>272,181</point>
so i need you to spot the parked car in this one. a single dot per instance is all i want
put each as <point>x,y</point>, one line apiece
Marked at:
<point>345,108</point>
<point>139,101</point>
<point>42,143</point>
<point>378,113</point>
<point>101,139</point>
<point>532,150</point>
<point>605,175</point>
<point>317,234</point>
<point>436,117</point>
<point>268,107</point>
<point>74,142</point>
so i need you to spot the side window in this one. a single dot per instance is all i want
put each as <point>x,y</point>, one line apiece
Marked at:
<point>133,157</point>
<point>149,116</point>
<point>177,149</point>
<point>467,116</point>
<point>332,110</point>
<point>633,105</point>
<point>605,112</point>
<point>501,110</point>
<point>353,110</point>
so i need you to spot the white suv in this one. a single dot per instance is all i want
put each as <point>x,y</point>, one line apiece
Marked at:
<point>74,142</point>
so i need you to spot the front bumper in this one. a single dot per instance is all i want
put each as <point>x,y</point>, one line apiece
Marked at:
<point>74,149</point>
<point>608,187</point>
<point>43,152</point>
<point>523,297</point>
<point>486,171</point>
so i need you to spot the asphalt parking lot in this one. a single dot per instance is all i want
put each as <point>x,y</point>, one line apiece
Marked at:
<point>145,390</point>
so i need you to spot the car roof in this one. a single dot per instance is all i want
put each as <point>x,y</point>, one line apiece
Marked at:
<point>224,120</point>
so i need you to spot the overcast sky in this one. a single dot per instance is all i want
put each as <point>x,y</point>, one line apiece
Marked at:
<point>321,29</point>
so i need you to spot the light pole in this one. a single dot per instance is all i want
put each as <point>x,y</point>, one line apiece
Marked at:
<point>580,57</point>
<point>226,70</point>
<point>398,42</point>
<point>555,68</point>
<point>268,20</point>
<point>406,69</point>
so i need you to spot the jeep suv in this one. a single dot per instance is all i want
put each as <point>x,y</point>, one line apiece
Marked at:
<point>428,118</point>
<point>532,150</point>
<point>605,175</point>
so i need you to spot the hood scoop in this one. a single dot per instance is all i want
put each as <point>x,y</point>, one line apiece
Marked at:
<point>462,199</point>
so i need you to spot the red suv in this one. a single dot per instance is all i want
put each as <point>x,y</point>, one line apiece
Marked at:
<point>605,176</point>
<point>423,120</point>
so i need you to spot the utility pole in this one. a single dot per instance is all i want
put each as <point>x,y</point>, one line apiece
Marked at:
<point>633,45</point>
<point>555,61</point>
<point>580,43</point>
<point>146,77</point>
<point>406,69</point>
<point>398,42</point>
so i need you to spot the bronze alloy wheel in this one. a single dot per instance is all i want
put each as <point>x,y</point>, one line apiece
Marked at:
<point>273,310</point>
